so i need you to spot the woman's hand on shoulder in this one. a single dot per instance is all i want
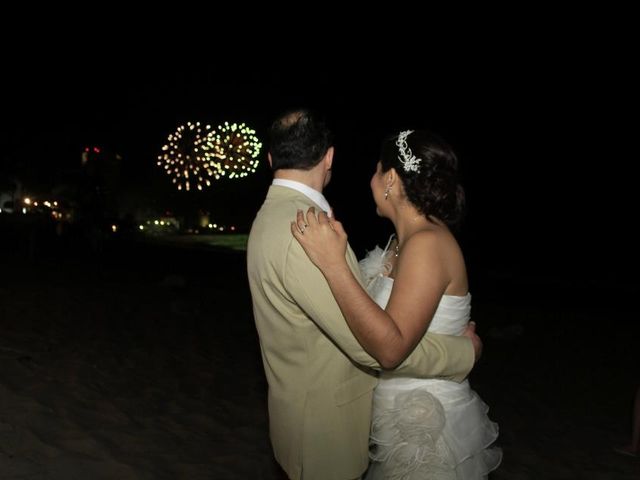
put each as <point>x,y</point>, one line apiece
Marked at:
<point>322,238</point>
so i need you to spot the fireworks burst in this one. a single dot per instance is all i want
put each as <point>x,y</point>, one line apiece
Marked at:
<point>195,154</point>
<point>232,150</point>
<point>184,158</point>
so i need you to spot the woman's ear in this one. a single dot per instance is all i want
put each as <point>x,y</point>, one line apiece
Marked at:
<point>391,177</point>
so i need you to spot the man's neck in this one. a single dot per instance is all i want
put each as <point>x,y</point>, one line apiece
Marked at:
<point>307,177</point>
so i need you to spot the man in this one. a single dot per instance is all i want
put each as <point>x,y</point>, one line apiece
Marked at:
<point>320,381</point>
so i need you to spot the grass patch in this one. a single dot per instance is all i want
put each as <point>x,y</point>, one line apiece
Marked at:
<point>234,241</point>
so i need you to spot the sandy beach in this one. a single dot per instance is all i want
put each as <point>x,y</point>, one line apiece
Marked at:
<point>142,362</point>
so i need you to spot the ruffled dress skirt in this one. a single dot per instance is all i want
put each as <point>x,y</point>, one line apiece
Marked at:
<point>431,429</point>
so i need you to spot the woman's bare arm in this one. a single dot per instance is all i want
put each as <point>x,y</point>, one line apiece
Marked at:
<point>388,335</point>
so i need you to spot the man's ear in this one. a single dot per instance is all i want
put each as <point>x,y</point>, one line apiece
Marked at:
<point>270,160</point>
<point>328,158</point>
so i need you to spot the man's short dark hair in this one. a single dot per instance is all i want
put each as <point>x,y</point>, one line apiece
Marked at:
<point>298,139</point>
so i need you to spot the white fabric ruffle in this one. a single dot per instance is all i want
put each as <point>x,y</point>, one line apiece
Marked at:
<point>408,439</point>
<point>431,429</point>
<point>377,263</point>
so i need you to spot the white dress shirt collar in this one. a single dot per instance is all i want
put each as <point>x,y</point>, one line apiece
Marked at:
<point>306,190</point>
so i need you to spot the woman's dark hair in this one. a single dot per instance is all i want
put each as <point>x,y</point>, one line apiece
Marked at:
<point>298,139</point>
<point>434,189</point>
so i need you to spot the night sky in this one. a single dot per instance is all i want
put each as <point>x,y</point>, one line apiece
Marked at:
<point>539,133</point>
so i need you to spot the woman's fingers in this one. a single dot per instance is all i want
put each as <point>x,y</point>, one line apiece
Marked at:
<point>338,228</point>
<point>323,218</point>
<point>301,223</point>
<point>311,220</point>
<point>295,230</point>
<point>311,216</point>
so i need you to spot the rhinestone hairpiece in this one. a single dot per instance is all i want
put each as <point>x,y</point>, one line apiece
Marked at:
<point>409,161</point>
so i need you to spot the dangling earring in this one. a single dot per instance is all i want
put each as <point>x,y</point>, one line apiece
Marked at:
<point>386,192</point>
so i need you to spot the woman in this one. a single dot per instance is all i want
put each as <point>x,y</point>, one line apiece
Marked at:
<point>421,428</point>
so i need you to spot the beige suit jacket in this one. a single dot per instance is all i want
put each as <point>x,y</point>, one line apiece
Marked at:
<point>319,399</point>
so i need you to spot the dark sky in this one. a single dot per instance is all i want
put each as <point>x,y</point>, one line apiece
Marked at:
<point>539,133</point>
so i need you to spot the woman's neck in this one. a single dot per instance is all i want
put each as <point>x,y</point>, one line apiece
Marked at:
<point>409,221</point>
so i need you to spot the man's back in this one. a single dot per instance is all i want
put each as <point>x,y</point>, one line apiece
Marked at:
<point>319,402</point>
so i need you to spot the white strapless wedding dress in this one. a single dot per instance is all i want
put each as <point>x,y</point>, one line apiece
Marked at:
<point>427,428</point>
